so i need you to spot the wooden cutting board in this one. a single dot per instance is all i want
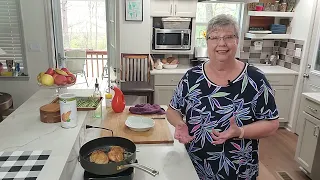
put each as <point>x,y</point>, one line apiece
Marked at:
<point>159,134</point>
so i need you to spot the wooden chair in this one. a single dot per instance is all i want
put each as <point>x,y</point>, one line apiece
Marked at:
<point>135,76</point>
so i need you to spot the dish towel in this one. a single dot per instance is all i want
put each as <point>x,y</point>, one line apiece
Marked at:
<point>147,109</point>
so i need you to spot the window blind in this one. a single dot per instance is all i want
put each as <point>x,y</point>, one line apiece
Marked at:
<point>10,32</point>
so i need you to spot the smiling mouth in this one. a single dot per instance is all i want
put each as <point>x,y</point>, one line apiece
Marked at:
<point>222,51</point>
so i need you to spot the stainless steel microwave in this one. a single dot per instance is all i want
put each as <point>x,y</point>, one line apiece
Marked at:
<point>172,39</point>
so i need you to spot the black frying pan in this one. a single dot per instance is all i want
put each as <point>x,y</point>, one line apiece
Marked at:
<point>104,143</point>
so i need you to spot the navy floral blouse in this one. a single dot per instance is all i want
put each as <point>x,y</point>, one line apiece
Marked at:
<point>207,106</point>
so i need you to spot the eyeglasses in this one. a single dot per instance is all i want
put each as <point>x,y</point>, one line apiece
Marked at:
<point>228,39</point>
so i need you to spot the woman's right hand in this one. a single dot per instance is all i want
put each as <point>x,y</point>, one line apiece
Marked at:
<point>182,134</point>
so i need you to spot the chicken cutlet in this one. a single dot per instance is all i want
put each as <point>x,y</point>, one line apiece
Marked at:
<point>115,156</point>
<point>117,148</point>
<point>99,157</point>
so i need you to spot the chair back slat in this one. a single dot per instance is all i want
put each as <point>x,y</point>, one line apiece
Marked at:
<point>135,68</point>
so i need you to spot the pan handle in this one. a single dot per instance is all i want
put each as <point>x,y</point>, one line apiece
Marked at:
<point>89,126</point>
<point>149,170</point>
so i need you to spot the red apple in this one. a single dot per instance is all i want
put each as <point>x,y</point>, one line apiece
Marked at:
<point>71,79</point>
<point>55,75</point>
<point>50,71</point>
<point>60,80</point>
<point>65,70</point>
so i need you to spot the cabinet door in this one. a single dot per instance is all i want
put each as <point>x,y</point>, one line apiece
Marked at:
<point>162,8</point>
<point>283,99</point>
<point>308,140</point>
<point>185,8</point>
<point>163,94</point>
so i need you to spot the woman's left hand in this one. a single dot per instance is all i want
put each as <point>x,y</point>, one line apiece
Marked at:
<point>232,132</point>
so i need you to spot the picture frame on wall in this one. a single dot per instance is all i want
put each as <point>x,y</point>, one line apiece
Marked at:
<point>134,10</point>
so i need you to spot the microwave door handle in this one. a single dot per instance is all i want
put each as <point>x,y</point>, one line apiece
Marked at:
<point>182,39</point>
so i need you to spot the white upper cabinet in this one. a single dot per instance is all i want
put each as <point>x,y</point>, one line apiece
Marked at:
<point>173,8</point>
<point>185,8</point>
<point>161,7</point>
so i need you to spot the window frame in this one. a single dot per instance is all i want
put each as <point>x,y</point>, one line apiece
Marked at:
<point>241,20</point>
<point>24,68</point>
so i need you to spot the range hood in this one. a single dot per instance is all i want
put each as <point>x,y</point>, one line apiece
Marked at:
<point>229,1</point>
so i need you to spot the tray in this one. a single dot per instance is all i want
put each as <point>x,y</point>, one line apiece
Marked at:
<point>83,99</point>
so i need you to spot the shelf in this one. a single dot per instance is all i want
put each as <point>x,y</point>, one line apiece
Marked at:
<point>267,36</point>
<point>231,1</point>
<point>271,14</point>
<point>171,52</point>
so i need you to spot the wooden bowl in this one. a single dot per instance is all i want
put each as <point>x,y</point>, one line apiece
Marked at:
<point>50,113</point>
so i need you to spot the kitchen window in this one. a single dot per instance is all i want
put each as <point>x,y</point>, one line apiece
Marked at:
<point>206,11</point>
<point>11,39</point>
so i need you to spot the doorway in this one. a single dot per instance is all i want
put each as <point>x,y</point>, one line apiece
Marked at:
<point>311,76</point>
<point>82,36</point>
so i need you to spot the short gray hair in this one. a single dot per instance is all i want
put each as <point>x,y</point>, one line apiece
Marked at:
<point>223,20</point>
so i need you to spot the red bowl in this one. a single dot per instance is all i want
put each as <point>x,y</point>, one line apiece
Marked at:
<point>259,8</point>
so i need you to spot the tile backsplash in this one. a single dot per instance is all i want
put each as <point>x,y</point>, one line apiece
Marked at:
<point>285,48</point>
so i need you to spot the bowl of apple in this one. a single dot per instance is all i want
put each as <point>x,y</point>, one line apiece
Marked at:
<point>56,78</point>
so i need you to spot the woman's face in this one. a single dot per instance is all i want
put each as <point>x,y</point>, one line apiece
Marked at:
<point>222,44</point>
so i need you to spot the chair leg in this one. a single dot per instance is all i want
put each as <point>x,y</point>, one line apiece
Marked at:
<point>152,98</point>
<point>85,76</point>
<point>148,99</point>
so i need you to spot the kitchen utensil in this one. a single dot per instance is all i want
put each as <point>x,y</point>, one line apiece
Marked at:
<point>118,102</point>
<point>170,66</point>
<point>159,134</point>
<point>50,113</point>
<point>105,143</point>
<point>139,124</point>
<point>200,52</point>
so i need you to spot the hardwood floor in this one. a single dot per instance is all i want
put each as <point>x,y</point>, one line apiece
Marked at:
<point>277,154</point>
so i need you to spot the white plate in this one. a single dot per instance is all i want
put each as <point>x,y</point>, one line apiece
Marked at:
<point>170,66</point>
<point>140,124</point>
<point>260,32</point>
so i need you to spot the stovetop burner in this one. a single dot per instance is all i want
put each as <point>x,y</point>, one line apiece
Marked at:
<point>125,175</point>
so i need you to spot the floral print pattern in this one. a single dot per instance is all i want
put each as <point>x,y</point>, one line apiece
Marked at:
<point>208,106</point>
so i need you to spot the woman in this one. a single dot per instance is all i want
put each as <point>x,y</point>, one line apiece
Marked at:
<point>228,106</point>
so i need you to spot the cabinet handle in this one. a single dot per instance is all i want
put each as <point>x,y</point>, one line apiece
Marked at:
<point>171,9</point>
<point>312,109</point>
<point>175,10</point>
<point>315,130</point>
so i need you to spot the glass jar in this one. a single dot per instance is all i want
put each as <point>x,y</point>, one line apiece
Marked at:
<point>276,5</point>
<point>283,7</point>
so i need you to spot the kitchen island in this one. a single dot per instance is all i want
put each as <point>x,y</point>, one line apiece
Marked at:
<point>22,131</point>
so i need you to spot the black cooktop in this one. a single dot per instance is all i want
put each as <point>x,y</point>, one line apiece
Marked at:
<point>125,175</point>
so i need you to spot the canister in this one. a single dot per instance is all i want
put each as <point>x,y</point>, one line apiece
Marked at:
<point>68,110</point>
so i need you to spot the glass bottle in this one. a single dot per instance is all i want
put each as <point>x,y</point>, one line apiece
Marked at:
<point>97,94</point>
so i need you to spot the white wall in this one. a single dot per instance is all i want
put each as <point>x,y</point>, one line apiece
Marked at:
<point>135,35</point>
<point>33,17</point>
<point>302,19</point>
<point>301,30</point>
